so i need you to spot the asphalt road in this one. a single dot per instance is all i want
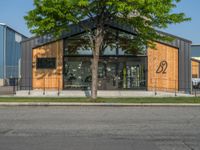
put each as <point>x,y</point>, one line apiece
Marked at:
<point>99,128</point>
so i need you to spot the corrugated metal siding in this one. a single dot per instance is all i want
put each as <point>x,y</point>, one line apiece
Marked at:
<point>1,51</point>
<point>13,53</point>
<point>26,63</point>
<point>10,52</point>
<point>184,66</point>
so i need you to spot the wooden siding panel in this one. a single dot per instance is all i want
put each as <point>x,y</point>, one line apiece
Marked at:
<point>48,78</point>
<point>195,69</point>
<point>163,81</point>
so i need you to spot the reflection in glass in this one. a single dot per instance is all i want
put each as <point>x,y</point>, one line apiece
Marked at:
<point>77,45</point>
<point>120,66</point>
<point>115,43</point>
<point>113,74</point>
<point>77,75</point>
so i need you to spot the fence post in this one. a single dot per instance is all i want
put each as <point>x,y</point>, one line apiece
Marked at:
<point>14,92</point>
<point>175,89</point>
<point>16,81</point>
<point>44,87</point>
<point>195,92</point>
<point>58,87</point>
<point>155,88</point>
<point>20,83</point>
<point>29,87</point>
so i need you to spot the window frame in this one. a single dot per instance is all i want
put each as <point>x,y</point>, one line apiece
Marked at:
<point>46,60</point>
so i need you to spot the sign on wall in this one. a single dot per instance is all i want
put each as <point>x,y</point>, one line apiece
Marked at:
<point>162,68</point>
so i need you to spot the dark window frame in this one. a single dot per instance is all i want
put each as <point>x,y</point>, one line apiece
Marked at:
<point>46,63</point>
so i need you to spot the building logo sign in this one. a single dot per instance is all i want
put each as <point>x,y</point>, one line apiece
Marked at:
<point>162,67</point>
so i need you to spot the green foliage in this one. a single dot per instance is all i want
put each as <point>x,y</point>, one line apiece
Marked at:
<point>54,16</point>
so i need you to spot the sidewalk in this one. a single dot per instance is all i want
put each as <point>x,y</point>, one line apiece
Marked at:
<point>101,93</point>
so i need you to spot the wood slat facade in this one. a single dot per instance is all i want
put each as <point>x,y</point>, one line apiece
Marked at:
<point>48,78</point>
<point>195,68</point>
<point>163,68</point>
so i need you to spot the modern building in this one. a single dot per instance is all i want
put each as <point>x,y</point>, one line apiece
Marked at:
<point>195,68</point>
<point>64,63</point>
<point>195,51</point>
<point>10,54</point>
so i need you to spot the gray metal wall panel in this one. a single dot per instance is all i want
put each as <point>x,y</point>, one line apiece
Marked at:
<point>26,63</point>
<point>181,66</point>
<point>189,68</point>
<point>1,51</point>
<point>184,67</point>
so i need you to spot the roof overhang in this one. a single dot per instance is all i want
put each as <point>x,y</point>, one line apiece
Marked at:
<point>76,29</point>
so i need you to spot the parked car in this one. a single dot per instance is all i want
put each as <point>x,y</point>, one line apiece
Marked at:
<point>196,83</point>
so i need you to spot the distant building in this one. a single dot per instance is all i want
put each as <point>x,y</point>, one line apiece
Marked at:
<point>10,54</point>
<point>195,51</point>
<point>195,60</point>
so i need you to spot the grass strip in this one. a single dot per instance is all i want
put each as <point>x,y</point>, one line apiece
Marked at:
<point>104,100</point>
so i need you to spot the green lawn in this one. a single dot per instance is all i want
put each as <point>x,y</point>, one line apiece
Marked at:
<point>106,100</point>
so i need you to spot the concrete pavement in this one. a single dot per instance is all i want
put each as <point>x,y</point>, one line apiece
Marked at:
<point>100,104</point>
<point>101,93</point>
<point>107,128</point>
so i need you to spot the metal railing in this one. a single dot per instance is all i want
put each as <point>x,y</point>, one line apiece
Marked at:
<point>57,84</point>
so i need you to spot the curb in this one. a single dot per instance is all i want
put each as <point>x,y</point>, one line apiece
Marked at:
<point>98,104</point>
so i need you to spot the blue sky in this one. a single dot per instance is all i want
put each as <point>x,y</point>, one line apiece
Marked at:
<point>12,12</point>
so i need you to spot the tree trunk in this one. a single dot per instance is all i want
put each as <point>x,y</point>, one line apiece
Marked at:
<point>94,77</point>
<point>95,62</point>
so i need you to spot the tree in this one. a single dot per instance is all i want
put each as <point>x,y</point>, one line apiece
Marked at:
<point>145,16</point>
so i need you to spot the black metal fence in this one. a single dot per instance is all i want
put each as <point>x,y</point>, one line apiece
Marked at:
<point>56,84</point>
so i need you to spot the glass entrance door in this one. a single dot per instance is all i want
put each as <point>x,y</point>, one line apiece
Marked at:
<point>108,76</point>
<point>132,75</point>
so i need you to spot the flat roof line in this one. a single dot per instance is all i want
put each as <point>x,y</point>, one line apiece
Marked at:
<point>3,24</point>
<point>173,36</point>
<point>195,45</point>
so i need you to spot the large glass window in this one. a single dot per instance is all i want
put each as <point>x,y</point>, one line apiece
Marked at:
<point>113,73</point>
<point>115,43</point>
<point>77,45</point>
<point>119,66</point>
<point>77,74</point>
